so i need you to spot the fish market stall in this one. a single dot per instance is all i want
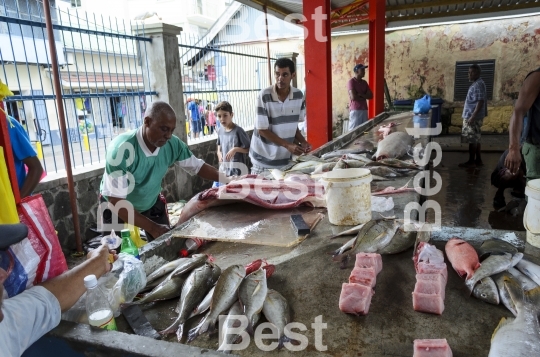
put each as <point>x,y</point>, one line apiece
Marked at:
<point>310,280</point>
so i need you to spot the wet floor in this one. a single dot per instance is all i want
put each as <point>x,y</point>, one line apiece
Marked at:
<point>466,196</point>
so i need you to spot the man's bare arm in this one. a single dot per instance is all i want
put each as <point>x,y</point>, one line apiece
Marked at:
<point>208,172</point>
<point>270,136</point>
<point>34,174</point>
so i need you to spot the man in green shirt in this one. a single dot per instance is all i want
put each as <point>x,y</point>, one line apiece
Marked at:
<point>137,161</point>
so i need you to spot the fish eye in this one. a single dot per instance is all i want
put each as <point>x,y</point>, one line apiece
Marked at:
<point>483,295</point>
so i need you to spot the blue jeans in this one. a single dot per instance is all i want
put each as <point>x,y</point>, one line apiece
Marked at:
<point>196,126</point>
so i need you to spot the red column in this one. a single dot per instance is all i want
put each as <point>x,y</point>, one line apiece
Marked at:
<point>318,74</point>
<point>8,153</point>
<point>377,24</point>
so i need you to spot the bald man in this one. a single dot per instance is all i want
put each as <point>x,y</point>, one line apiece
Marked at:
<point>137,161</point>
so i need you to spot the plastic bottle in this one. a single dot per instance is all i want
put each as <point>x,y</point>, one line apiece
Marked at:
<point>98,308</point>
<point>127,244</point>
<point>192,245</point>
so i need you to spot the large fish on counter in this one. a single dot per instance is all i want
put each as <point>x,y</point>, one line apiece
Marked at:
<point>395,145</point>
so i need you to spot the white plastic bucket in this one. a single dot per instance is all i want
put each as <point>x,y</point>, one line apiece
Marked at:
<point>348,196</point>
<point>531,217</point>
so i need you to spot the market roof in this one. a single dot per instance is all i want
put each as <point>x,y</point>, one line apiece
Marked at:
<point>352,14</point>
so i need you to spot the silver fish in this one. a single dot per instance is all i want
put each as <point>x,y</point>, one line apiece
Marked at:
<point>153,284</point>
<point>308,157</point>
<point>383,171</point>
<point>252,293</point>
<point>165,269</point>
<point>203,306</point>
<point>487,291</point>
<point>324,168</point>
<point>403,239</point>
<point>526,282</point>
<point>195,261</point>
<point>496,247</point>
<point>228,338</point>
<point>519,336</point>
<point>197,285</point>
<point>395,145</point>
<point>276,311</point>
<point>168,289</point>
<point>358,157</point>
<point>395,163</point>
<point>492,265</point>
<point>504,296</point>
<point>345,247</point>
<point>530,269</point>
<point>339,153</point>
<point>352,231</point>
<point>224,297</point>
<point>348,164</point>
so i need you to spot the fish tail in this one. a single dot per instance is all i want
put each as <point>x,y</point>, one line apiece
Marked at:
<point>249,328</point>
<point>211,326</point>
<point>180,332</point>
<point>344,261</point>
<point>171,329</point>
<point>282,341</point>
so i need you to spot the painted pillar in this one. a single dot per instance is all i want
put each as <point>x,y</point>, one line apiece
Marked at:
<point>377,24</point>
<point>318,71</point>
<point>161,68</point>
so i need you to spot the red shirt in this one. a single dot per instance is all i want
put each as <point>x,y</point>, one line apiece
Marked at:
<point>361,87</point>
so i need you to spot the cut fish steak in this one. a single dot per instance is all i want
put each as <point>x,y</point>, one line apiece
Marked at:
<point>432,348</point>
<point>355,298</point>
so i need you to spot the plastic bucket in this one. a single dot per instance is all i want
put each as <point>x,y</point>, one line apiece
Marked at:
<point>348,196</point>
<point>531,218</point>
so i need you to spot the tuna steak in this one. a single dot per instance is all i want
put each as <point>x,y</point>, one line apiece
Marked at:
<point>393,146</point>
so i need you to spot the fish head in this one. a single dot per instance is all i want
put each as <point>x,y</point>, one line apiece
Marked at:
<point>487,291</point>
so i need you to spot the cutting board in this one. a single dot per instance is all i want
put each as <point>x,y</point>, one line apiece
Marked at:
<point>245,223</point>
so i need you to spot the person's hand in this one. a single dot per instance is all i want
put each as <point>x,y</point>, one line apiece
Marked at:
<point>219,157</point>
<point>513,160</point>
<point>230,154</point>
<point>159,230</point>
<point>306,146</point>
<point>295,149</point>
<point>471,120</point>
<point>102,254</point>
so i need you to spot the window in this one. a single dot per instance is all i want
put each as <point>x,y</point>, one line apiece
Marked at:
<point>462,84</point>
<point>76,3</point>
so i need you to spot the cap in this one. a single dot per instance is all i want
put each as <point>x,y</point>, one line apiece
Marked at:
<point>359,66</point>
<point>90,281</point>
<point>12,234</point>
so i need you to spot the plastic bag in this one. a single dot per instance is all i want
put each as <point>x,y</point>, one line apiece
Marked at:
<point>131,280</point>
<point>422,105</point>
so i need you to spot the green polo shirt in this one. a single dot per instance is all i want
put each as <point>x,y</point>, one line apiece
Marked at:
<point>134,173</point>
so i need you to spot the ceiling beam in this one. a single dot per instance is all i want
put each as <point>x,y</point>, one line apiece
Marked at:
<point>423,5</point>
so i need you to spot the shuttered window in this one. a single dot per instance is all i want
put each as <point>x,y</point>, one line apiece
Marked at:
<point>462,83</point>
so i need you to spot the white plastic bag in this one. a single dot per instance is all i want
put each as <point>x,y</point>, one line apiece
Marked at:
<point>131,279</point>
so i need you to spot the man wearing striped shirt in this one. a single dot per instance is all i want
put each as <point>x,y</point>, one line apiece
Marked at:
<point>474,111</point>
<point>279,109</point>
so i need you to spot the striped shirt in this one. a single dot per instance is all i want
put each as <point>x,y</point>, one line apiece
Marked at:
<point>282,119</point>
<point>477,92</point>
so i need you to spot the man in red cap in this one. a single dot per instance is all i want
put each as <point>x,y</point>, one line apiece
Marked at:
<point>359,93</point>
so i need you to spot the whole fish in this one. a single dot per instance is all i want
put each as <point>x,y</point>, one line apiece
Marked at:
<point>462,256</point>
<point>197,285</point>
<point>403,239</point>
<point>364,144</point>
<point>348,164</point>
<point>519,336</point>
<point>226,293</point>
<point>492,265</point>
<point>305,167</point>
<point>324,167</point>
<point>308,157</point>
<point>486,290</point>
<point>530,269</point>
<point>276,311</point>
<point>203,306</point>
<point>358,157</point>
<point>168,289</point>
<point>395,145</point>
<point>252,293</point>
<point>352,231</point>
<point>195,261</point>
<point>526,282</point>
<point>165,269</point>
<point>345,247</point>
<point>383,171</point>
<point>395,163</point>
<point>495,246</point>
<point>504,296</point>
<point>153,284</point>
<point>340,153</point>
<point>227,337</point>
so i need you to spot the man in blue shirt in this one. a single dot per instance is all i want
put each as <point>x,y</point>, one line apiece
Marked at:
<point>195,118</point>
<point>24,154</point>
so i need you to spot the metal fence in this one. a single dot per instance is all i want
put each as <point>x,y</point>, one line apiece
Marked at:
<point>214,71</point>
<point>102,80</point>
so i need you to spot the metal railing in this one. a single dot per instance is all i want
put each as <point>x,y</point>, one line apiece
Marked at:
<point>215,71</point>
<point>101,77</point>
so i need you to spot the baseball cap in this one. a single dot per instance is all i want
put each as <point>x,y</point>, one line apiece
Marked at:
<point>359,66</point>
<point>12,234</point>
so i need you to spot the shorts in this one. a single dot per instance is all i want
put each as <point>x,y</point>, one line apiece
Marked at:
<point>356,118</point>
<point>196,126</point>
<point>531,156</point>
<point>471,134</point>
<point>257,170</point>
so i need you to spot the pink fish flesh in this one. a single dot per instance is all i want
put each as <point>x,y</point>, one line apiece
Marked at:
<point>355,298</point>
<point>363,276</point>
<point>432,348</point>
<point>367,260</point>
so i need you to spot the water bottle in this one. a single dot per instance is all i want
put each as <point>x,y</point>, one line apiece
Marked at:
<point>192,244</point>
<point>127,244</point>
<point>98,309</point>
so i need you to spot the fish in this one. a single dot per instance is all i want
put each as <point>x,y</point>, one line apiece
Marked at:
<point>495,246</point>
<point>200,202</point>
<point>421,236</point>
<point>277,174</point>
<point>352,231</point>
<point>526,282</point>
<point>393,146</point>
<point>383,171</point>
<point>324,168</point>
<point>492,265</point>
<point>395,163</point>
<point>308,157</point>
<point>305,167</point>
<point>232,322</point>
<point>153,284</point>
<point>340,153</point>
<point>195,261</point>
<point>363,144</point>
<point>168,289</point>
<point>462,256</point>
<point>530,269</point>
<point>224,297</point>
<point>519,336</point>
<point>345,247</point>
<point>357,157</point>
<point>254,265</point>
<point>197,285</point>
<point>403,239</point>
<point>348,164</point>
<point>487,291</point>
<point>203,306</point>
<point>169,267</point>
<point>252,293</point>
<point>504,296</point>
<point>276,311</point>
